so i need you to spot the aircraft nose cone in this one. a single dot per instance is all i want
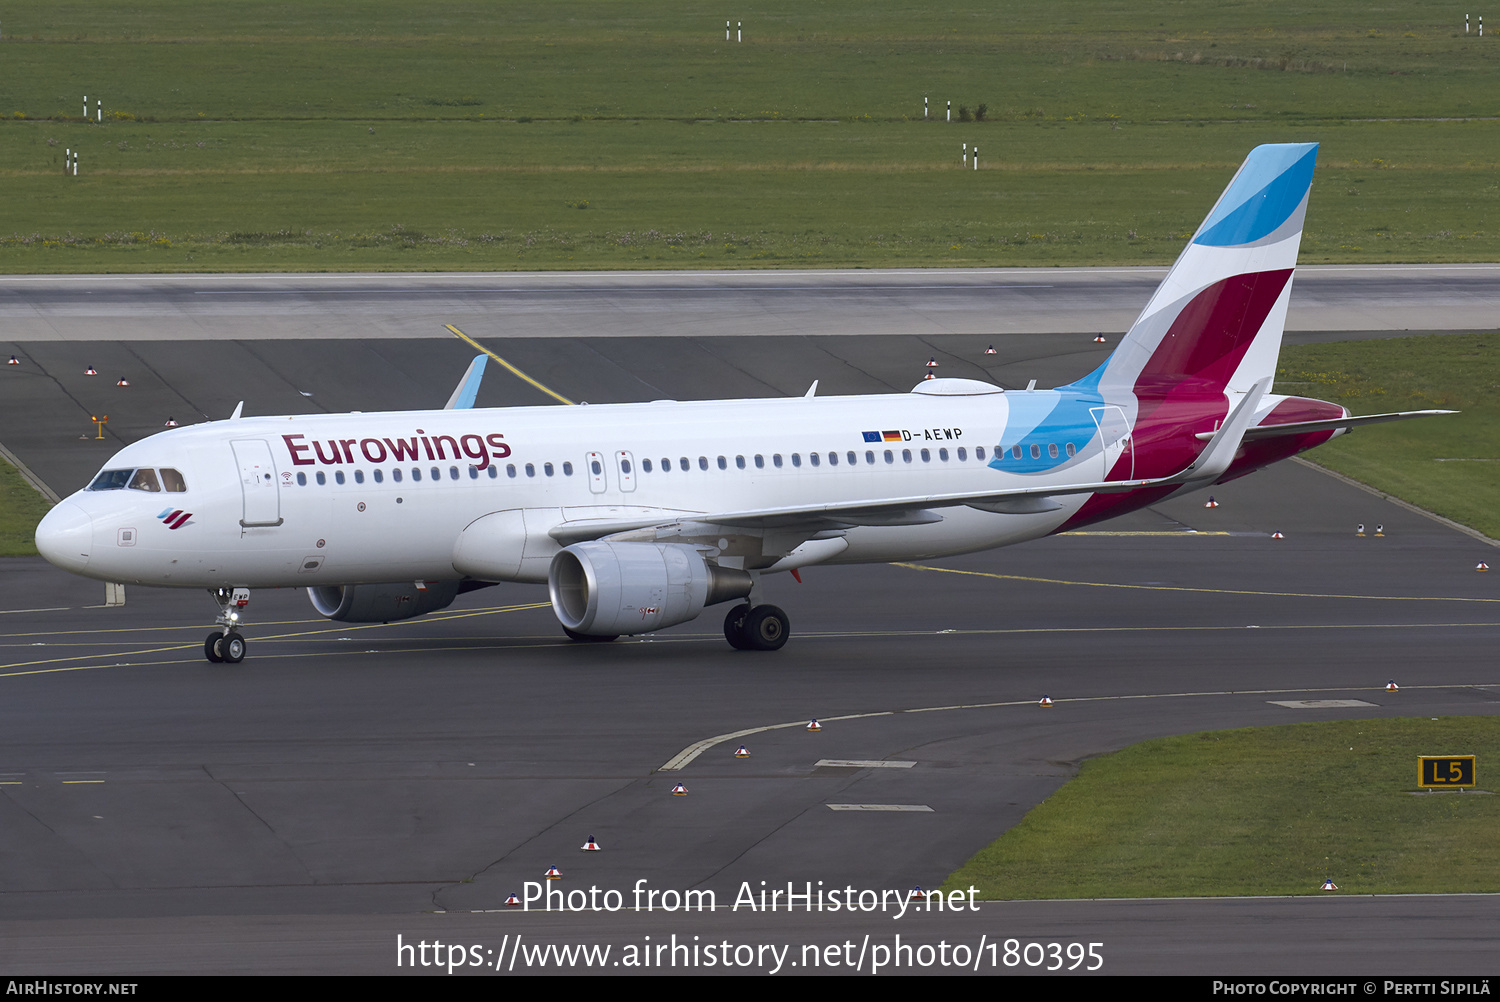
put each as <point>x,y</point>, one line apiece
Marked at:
<point>66,536</point>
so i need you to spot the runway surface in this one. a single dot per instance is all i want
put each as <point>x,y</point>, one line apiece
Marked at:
<point>347,785</point>
<point>925,302</point>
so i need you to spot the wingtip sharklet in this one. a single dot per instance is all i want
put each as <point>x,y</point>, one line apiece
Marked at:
<point>467,390</point>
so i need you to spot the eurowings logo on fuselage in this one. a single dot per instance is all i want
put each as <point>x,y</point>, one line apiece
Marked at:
<point>174,518</point>
<point>478,449</point>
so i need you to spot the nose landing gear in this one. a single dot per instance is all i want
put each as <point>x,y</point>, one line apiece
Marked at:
<point>225,645</point>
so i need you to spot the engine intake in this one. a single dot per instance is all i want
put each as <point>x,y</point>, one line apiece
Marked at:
<point>608,589</point>
<point>381,603</point>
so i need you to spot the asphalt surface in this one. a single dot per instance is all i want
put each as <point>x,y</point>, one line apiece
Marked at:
<point>347,785</point>
<point>926,302</point>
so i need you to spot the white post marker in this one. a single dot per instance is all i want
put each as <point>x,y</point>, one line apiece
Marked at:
<point>738,34</point>
<point>99,107</point>
<point>726,31</point>
<point>924,109</point>
<point>966,154</point>
<point>67,159</point>
<point>976,158</point>
<point>1466,24</point>
<point>85,107</point>
<point>950,111</point>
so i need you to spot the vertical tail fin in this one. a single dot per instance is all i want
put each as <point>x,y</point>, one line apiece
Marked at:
<point>1217,318</point>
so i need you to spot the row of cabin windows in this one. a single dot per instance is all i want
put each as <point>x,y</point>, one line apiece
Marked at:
<point>434,474</point>
<point>851,458</point>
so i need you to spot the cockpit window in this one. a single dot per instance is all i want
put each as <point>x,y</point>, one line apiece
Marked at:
<point>111,480</point>
<point>145,480</point>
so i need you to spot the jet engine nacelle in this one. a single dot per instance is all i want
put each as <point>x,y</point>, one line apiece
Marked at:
<point>382,603</point>
<point>609,589</point>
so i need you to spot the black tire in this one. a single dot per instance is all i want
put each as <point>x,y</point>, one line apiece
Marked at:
<point>767,628</point>
<point>211,648</point>
<point>587,638</point>
<point>734,627</point>
<point>232,648</point>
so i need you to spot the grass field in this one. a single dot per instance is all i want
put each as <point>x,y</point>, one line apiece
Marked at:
<point>605,134</point>
<point>1450,465</point>
<point>1259,811</point>
<point>21,508</point>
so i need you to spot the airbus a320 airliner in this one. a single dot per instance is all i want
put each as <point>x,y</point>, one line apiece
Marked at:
<point>638,516</point>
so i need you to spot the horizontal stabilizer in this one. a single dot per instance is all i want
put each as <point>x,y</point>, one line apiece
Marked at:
<point>1332,424</point>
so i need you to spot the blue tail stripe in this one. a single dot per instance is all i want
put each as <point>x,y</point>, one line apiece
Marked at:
<point>1267,191</point>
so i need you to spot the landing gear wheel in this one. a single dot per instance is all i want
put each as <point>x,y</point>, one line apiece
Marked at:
<point>766,628</point>
<point>734,627</point>
<point>232,648</point>
<point>585,638</point>
<point>211,648</point>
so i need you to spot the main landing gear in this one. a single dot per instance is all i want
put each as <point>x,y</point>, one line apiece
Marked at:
<point>756,628</point>
<point>225,645</point>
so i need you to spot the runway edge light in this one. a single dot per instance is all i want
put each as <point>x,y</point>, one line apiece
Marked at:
<point>679,790</point>
<point>1045,702</point>
<point>742,752</point>
<point>813,725</point>
<point>1391,686</point>
<point>513,902</point>
<point>1329,885</point>
<point>553,873</point>
<point>590,845</point>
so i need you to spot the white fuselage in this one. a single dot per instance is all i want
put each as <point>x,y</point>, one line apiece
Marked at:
<point>319,500</point>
